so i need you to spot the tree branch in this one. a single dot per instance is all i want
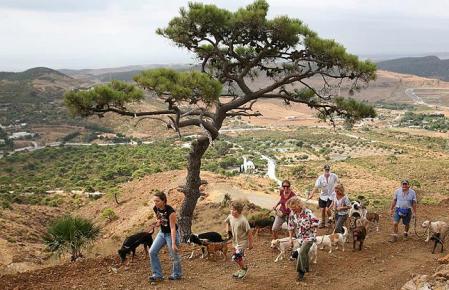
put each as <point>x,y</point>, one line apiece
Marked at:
<point>244,114</point>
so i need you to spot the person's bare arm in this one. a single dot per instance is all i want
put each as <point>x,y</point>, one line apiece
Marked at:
<point>172,220</point>
<point>393,204</point>
<point>250,239</point>
<point>290,235</point>
<point>313,192</point>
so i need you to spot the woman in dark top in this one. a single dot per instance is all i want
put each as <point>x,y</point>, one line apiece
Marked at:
<point>166,219</point>
<point>282,214</point>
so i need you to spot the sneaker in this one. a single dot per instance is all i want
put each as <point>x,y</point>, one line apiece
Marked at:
<point>236,274</point>
<point>174,278</point>
<point>243,273</point>
<point>155,279</point>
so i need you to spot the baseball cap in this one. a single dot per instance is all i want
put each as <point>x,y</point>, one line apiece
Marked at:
<point>405,181</point>
<point>327,167</point>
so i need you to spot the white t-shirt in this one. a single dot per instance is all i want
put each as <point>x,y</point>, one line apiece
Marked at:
<point>326,186</point>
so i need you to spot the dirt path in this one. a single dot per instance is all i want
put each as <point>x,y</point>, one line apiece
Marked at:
<point>217,191</point>
<point>380,265</point>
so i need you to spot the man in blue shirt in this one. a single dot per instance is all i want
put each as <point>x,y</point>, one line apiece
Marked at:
<point>403,207</point>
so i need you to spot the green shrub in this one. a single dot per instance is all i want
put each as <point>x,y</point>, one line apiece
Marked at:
<point>109,214</point>
<point>299,171</point>
<point>225,203</point>
<point>70,234</point>
<point>6,204</point>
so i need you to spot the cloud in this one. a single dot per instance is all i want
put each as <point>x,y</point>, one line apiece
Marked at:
<point>102,33</point>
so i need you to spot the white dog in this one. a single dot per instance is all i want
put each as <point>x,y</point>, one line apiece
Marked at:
<point>437,227</point>
<point>324,241</point>
<point>283,245</point>
<point>333,240</point>
<point>339,239</point>
<point>357,210</point>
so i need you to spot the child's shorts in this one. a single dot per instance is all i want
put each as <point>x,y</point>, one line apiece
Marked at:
<point>238,255</point>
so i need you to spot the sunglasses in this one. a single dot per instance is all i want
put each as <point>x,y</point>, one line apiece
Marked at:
<point>286,186</point>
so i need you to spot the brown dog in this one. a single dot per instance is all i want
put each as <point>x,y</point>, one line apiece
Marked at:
<point>358,235</point>
<point>374,218</point>
<point>221,247</point>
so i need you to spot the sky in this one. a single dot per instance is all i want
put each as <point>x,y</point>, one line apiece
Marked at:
<point>110,33</point>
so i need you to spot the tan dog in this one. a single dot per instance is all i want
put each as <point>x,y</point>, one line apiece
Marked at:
<point>283,245</point>
<point>437,227</point>
<point>221,247</point>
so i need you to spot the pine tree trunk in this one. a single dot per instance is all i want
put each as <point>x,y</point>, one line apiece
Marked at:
<point>192,186</point>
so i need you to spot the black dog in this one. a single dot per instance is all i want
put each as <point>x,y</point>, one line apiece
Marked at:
<point>358,235</point>
<point>437,239</point>
<point>261,223</point>
<point>204,238</point>
<point>132,242</point>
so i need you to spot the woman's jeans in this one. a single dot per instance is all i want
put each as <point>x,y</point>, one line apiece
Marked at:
<point>340,221</point>
<point>161,240</point>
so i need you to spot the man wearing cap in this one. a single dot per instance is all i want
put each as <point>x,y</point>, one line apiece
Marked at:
<point>326,183</point>
<point>403,207</point>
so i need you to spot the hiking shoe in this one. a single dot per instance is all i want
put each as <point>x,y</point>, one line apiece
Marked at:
<point>236,274</point>
<point>300,276</point>
<point>405,235</point>
<point>173,278</point>
<point>243,273</point>
<point>155,279</point>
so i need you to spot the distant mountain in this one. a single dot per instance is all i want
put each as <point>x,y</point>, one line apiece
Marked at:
<point>124,73</point>
<point>428,66</point>
<point>34,85</point>
<point>33,73</point>
<point>34,95</point>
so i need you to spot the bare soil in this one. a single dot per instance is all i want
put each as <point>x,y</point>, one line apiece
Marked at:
<point>380,265</point>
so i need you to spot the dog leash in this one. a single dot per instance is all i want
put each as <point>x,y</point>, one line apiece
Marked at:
<point>416,232</point>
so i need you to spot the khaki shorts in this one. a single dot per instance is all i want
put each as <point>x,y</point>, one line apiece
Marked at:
<point>278,221</point>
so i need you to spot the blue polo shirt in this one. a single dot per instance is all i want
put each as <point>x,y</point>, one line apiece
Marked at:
<point>404,199</point>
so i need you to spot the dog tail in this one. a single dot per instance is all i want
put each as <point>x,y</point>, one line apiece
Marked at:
<point>345,231</point>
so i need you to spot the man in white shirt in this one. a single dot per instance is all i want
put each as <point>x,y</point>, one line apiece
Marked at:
<point>326,184</point>
<point>403,207</point>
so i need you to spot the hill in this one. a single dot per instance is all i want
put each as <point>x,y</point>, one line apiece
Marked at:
<point>428,66</point>
<point>34,96</point>
<point>34,85</point>
<point>124,73</point>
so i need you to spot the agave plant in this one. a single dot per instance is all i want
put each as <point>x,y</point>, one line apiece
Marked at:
<point>70,234</point>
